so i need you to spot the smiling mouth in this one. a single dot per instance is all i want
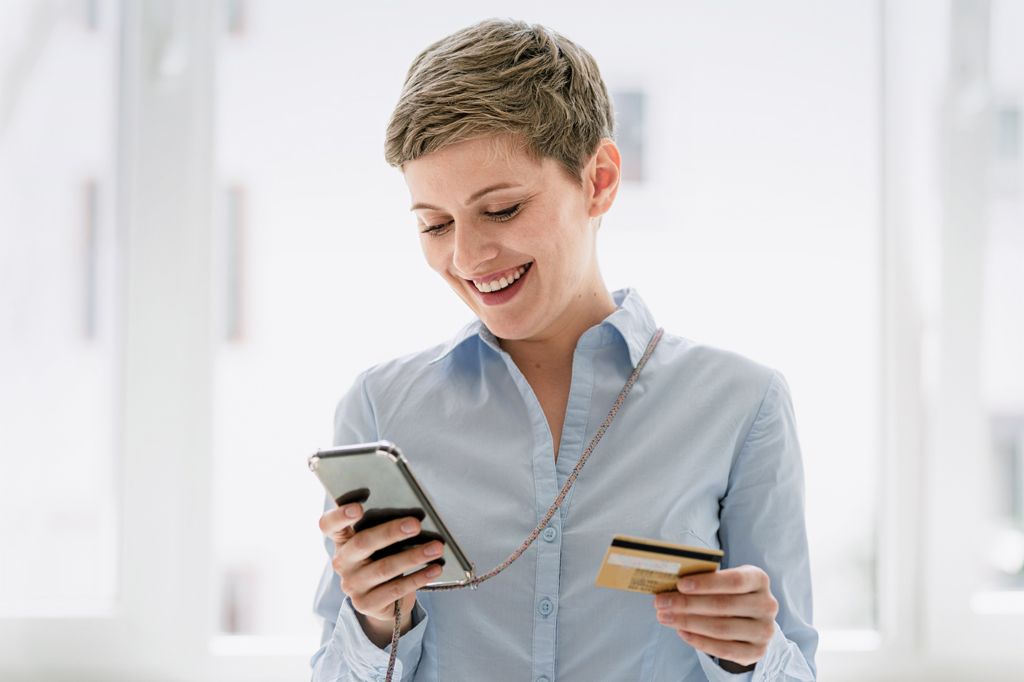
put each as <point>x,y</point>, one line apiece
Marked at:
<point>502,282</point>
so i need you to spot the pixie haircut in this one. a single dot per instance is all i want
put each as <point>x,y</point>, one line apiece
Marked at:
<point>522,82</point>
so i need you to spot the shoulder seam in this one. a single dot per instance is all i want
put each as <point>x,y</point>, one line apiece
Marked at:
<point>369,403</point>
<point>757,416</point>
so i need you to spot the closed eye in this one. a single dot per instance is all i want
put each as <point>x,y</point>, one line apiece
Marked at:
<point>507,214</point>
<point>497,216</point>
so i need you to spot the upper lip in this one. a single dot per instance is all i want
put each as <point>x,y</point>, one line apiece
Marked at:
<point>497,274</point>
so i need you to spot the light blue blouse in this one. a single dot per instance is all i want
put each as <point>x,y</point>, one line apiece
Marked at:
<point>703,452</point>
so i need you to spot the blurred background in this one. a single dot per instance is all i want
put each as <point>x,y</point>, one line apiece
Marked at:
<point>201,245</point>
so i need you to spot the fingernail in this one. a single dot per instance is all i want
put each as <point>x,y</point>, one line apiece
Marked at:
<point>687,584</point>
<point>408,526</point>
<point>433,571</point>
<point>432,550</point>
<point>352,512</point>
<point>662,600</point>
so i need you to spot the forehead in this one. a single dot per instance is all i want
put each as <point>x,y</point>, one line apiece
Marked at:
<point>465,166</point>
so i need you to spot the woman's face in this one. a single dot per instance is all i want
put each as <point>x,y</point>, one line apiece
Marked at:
<point>487,213</point>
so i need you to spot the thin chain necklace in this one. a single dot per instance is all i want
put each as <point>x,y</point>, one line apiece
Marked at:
<point>547,517</point>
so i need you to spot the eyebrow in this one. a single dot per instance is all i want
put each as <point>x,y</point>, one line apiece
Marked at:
<point>476,195</point>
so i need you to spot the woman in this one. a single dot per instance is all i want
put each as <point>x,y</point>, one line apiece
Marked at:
<point>504,135</point>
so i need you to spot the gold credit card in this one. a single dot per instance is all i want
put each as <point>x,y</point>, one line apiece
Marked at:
<point>642,565</point>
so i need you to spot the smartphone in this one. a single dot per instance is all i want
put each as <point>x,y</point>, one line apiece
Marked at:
<point>377,475</point>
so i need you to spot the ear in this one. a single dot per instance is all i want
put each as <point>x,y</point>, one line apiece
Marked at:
<point>602,176</point>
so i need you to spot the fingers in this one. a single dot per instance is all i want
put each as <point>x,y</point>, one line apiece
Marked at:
<point>337,523</point>
<point>366,577</point>
<point>736,580</point>
<point>375,585</point>
<point>751,605</point>
<point>367,541</point>
<point>729,614</point>
<point>743,653</point>
<point>716,627</point>
<point>380,599</point>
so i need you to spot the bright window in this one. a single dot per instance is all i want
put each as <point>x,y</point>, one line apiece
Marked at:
<point>59,316</point>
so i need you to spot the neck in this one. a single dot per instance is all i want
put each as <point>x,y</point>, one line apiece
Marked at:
<point>553,349</point>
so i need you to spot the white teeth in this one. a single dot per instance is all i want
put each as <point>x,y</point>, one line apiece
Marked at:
<point>499,284</point>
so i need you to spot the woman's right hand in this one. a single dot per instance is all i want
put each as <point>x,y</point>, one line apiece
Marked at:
<point>375,586</point>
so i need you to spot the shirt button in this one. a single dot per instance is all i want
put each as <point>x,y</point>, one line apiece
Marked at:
<point>542,678</point>
<point>545,607</point>
<point>549,534</point>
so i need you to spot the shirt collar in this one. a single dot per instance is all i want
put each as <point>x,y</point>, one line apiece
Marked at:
<point>475,329</point>
<point>631,319</point>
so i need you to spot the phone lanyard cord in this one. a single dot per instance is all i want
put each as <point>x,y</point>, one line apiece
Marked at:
<point>551,512</point>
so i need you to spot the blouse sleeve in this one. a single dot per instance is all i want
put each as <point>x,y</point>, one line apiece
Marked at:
<point>762,524</point>
<point>346,653</point>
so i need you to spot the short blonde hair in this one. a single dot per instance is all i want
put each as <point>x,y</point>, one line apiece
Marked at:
<point>508,78</point>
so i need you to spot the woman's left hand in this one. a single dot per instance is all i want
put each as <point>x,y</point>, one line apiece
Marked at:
<point>729,613</point>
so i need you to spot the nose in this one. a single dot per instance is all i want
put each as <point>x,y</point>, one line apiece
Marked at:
<point>472,248</point>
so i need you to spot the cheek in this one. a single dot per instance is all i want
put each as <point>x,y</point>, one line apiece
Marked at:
<point>554,245</point>
<point>534,239</point>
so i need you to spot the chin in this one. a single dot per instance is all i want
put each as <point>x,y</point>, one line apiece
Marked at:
<point>496,320</point>
<point>501,333</point>
<point>507,329</point>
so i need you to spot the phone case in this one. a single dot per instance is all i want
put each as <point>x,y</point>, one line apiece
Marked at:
<point>378,476</point>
